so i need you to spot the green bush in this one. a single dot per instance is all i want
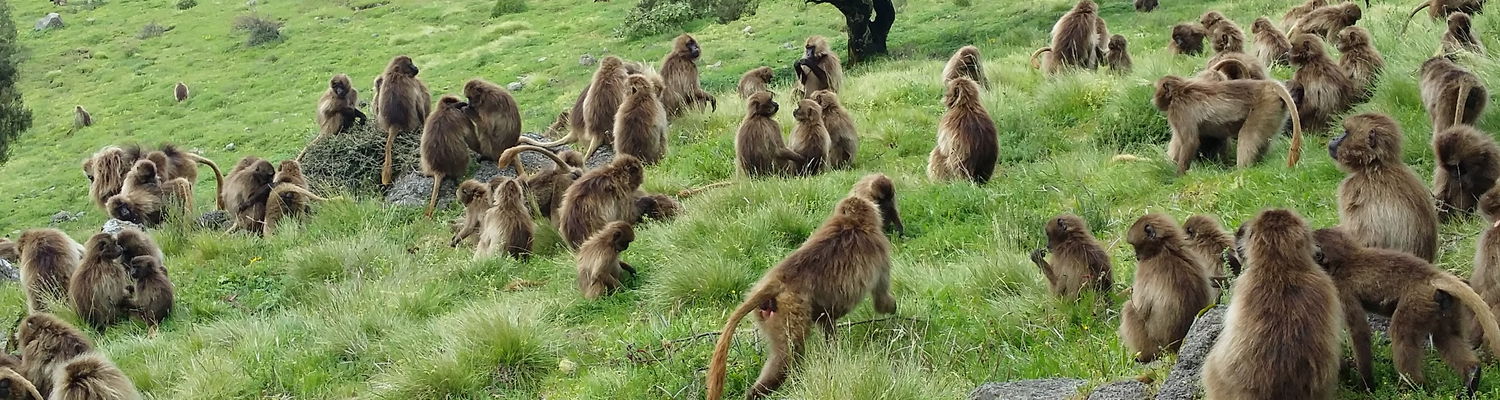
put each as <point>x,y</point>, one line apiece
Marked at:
<point>14,116</point>
<point>503,7</point>
<point>963,3</point>
<point>261,30</point>
<point>151,30</point>
<point>186,4</point>
<point>650,17</point>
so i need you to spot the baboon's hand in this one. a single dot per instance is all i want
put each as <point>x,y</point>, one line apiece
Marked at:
<point>1038,254</point>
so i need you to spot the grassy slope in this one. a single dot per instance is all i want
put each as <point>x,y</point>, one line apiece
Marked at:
<point>378,307</point>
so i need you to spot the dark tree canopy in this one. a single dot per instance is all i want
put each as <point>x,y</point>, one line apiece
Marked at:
<point>14,117</point>
<point>869,23</point>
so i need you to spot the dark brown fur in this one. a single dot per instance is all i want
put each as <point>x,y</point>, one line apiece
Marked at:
<point>755,80</point>
<point>92,376</point>
<point>640,126</point>
<point>842,135</point>
<point>106,171</point>
<point>1451,93</point>
<point>507,225</point>
<point>600,270</point>
<point>817,284</point>
<point>1486,277</point>
<point>546,188</point>
<point>1078,261</point>
<point>599,197</point>
<point>48,259</point>
<point>1170,288</point>
<point>879,189</point>
<point>100,289</point>
<point>1146,5</point>
<point>81,117</point>
<point>1207,240</point>
<point>1325,89</point>
<point>47,342</point>
<point>1281,334</point>
<point>153,290</point>
<point>966,62</point>
<point>1187,39</point>
<point>404,102</point>
<point>338,109</point>
<point>145,199</point>
<point>443,152</point>
<point>1382,203</point>
<point>1295,15</point>
<point>1254,112</point>
<point>475,197</point>
<point>656,207</point>
<point>1078,38</point>
<point>606,92</point>
<point>496,117</point>
<point>1271,46</point>
<point>246,192</point>
<point>1226,35</point>
<point>758,146</point>
<point>290,195</point>
<point>1360,61</point>
<point>818,69</point>
<point>180,92</point>
<point>184,164</point>
<point>1118,57</point>
<point>1236,65</point>
<point>1468,162</point>
<point>810,138</point>
<point>967,145</point>
<point>1328,21</point>
<point>13,386</point>
<point>135,243</point>
<point>1460,35</point>
<point>680,72</point>
<point>1438,9</point>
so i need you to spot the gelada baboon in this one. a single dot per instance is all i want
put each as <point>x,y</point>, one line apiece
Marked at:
<point>1170,288</point>
<point>100,289</point>
<point>758,146</point>
<point>153,290</point>
<point>475,197</point>
<point>1468,162</point>
<point>1118,57</point>
<point>8,251</point>
<point>180,92</point>
<point>844,137</point>
<point>1205,116</point>
<point>1227,36</point>
<point>46,342</point>
<point>810,138</point>
<point>1328,21</point>
<point>1078,39</point>
<point>48,259</point>
<point>818,69</point>
<point>290,196</point>
<point>967,145</point>
<point>496,118</point>
<point>13,386</point>
<point>1187,39</point>
<point>593,115</point>
<point>1325,88</point>
<point>967,63</point>
<point>91,376</point>
<point>1451,93</point>
<point>818,283</point>
<point>1145,5</point>
<point>1271,46</point>
<point>173,162</point>
<point>144,199</point>
<point>81,117</point>
<point>546,188</point>
<point>404,102</point>
<point>338,110</point>
<point>443,152</point>
<point>656,207</point>
<point>1207,240</point>
<point>1237,65</point>
<point>1295,15</point>
<point>1423,302</point>
<point>879,189</point>
<point>755,80</point>
<point>1078,261</point>
<point>106,171</point>
<point>1360,61</point>
<point>1440,8</point>
<point>247,189</point>
<point>1486,276</point>
<point>1382,203</point>
<point>600,270</point>
<point>1459,37</point>
<point>680,72</point>
<point>599,197</point>
<point>640,126</point>
<point>507,226</point>
<point>1284,312</point>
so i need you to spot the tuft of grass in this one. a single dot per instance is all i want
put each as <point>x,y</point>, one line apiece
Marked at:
<point>503,7</point>
<point>151,30</point>
<point>258,29</point>
<point>186,4</point>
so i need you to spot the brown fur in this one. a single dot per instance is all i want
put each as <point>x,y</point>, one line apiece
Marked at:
<point>1423,302</point>
<point>338,109</point>
<point>1078,261</point>
<point>966,62</point>
<point>1295,15</point>
<point>758,146</point>
<point>496,118</point>
<point>1460,35</point>
<point>1207,240</point>
<point>1360,61</point>
<point>184,164</point>
<point>1486,277</point>
<point>1438,9</point>
<point>1271,46</point>
<point>817,56</point>
<point>246,192</point>
<point>92,376</point>
<point>1170,288</point>
<point>599,197</point>
<point>180,92</point>
<point>1236,65</point>
<point>135,243</point>
<point>404,102</point>
<point>153,290</point>
<point>843,136</point>
<point>818,283</point>
<point>967,145</point>
<point>9,252</point>
<point>641,124</point>
<point>656,207</point>
<point>617,70</point>
<point>680,71</point>
<point>475,197</point>
<point>1076,40</point>
<point>600,270</point>
<point>46,343</point>
<point>606,92</point>
<point>106,171</point>
<point>879,189</point>
<point>1226,35</point>
<point>443,152</point>
<point>290,195</point>
<point>1281,334</point>
<point>507,226</point>
<point>545,189</point>
<point>100,289</point>
<point>1146,5</point>
<point>48,259</point>
<point>145,199</point>
<point>1187,39</point>
<point>1451,93</point>
<point>1467,164</point>
<point>755,80</point>
<point>1253,112</point>
<point>1118,57</point>
<point>1328,21</point>
<point>81,117</point>
<point>13,386</point>
<point>1381,202</point>
<point>1325,89</point>
<point>810,138</point>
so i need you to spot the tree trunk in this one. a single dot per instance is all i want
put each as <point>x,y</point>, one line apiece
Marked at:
<point>869,23</point>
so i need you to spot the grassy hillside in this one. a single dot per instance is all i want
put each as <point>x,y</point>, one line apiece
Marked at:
<point>367,301</point>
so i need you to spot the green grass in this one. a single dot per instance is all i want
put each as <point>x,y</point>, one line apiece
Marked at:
<point>367,301</point>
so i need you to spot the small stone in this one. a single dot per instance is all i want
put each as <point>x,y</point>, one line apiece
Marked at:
<point>515,86</point>
<point>114,226</point>
<point>52,20</point>
<point>747,30</point>
<point>567,366</point>
<point>586,60</point>
<point>788,46</point>
<point>9,271</point>
<point>215,220</point>
<point>543,59</point>
<point>717,65</point>
<point>229,147</point>
<point>251,3</point>
<point>62,216</point>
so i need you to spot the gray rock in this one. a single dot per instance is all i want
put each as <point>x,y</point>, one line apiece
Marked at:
<point>63,216</point>
<point>229,147</point>
<point>788,46</point>
<point>515,86</point>
<point>9,271</point>
<point>542,59</point>
<point>114,226</point>
<point>1183,382</point>
<point>586,60</point>
<point>1378,323</point>
<point>1120,390</point>
<point>215,220</point>
<point>414,189</point>
<point>1032,389</point>
<point>716,65</point>
<point>748,30</point>
<point>52,20</point>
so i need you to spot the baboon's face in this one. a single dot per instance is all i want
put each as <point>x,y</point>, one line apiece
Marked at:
<point>340,86</point>
<point>105,246</point>
<point>693,50</point>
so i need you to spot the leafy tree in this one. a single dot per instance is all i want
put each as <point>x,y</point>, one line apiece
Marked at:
<point>869,23</point>
<point>15,118</point>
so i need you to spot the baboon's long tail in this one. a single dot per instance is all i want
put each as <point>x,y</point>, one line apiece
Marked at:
<point>1413,15</point>
<point>390,143</point>
<point>1295,152</point>
<point>218,178</point>
<point>1458,104</point>
<point>716,364</point>
<point>1035,64</point>
<point>509,157</point>
<point>685,193</point>
<point>1466,295</point>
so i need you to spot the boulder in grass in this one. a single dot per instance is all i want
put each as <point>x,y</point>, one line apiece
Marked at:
<point>1031,389</point>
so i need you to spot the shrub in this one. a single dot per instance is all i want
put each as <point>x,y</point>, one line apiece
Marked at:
<point>651,17</point>
<point>151,30</point>
<point>261,30</point>
<point>963,3</point>
<point>14,116</point>
<point>503,7</point>
<point>186,4</point>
